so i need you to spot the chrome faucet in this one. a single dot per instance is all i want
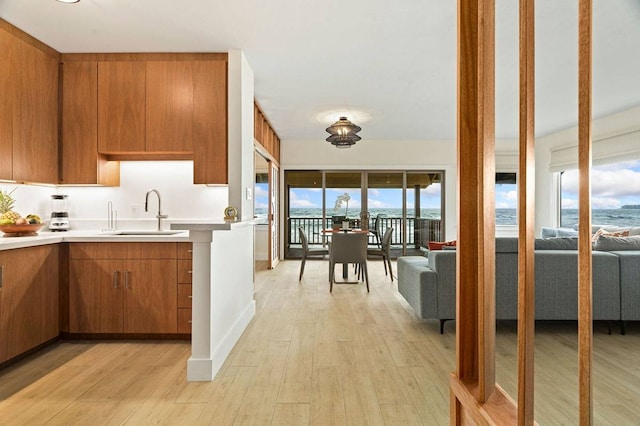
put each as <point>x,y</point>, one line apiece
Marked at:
<point>160,216</point>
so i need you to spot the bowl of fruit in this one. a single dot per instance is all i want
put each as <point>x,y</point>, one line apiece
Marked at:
<point>14,225</point>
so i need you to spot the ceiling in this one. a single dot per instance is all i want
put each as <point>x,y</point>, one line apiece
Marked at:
<point>391,66</point>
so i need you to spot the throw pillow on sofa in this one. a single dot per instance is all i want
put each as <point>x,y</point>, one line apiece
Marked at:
<point>611,243</point>
<point>602,231</point>
<point>439,245</point>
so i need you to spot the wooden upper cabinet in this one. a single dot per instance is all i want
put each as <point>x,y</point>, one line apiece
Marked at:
<point>35,115</point>
<point>121,107</point>
<point>210,152</point>
<point>264,134</point>
<point>6,106</point>
<point>169,106</point>
<point>80,162</point>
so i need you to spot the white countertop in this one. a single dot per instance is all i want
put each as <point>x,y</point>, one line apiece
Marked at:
<point>85,236</point>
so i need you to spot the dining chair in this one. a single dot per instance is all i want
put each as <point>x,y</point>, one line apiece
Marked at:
<point>348,248</point>
<point>308,251</point>
<point>384,251</point>
<point>377,224</point>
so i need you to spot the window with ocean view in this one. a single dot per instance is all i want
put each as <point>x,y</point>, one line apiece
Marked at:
<point>506,199</point>
<point>615,195</point>
<point>409,202</point>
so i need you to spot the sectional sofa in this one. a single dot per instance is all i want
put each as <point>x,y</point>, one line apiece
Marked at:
<point>428,283</point>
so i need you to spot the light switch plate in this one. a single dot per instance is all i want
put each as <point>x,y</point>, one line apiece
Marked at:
<point>249,193</point>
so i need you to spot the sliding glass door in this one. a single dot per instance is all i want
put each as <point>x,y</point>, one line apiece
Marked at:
<point>409,202</point>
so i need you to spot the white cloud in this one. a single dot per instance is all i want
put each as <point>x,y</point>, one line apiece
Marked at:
<point>261,192</point>
<point>510,195</point>
<point>433,189</point>
<point>604,203</point>
<point>262,205</point>
<point>610,182</point>
<point>296,202</point>
<point>377,204</point>
<point>373,192</point>
<point>569,203</point>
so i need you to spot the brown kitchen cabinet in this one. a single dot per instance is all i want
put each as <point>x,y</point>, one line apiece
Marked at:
<point>122,288</point>
<point>121,107</point>
<point>80,162</point>
<point>29,110</point>
<point>146,106</point>
<point>28,299</point>
<point>185,260</point>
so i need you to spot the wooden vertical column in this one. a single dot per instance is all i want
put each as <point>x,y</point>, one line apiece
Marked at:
<point>585,313</point>
<point>475,398</point>
<point>526,211</point>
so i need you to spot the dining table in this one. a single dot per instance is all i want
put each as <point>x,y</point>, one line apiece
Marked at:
<point>345,266</point>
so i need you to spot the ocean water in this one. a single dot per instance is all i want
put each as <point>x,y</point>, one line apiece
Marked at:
<point>569,217</point>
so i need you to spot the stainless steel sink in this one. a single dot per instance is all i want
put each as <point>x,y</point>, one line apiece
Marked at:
<point>141,232</point>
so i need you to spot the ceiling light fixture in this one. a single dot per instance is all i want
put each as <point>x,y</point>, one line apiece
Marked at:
<point>68,1</point>
<point>343,133</point>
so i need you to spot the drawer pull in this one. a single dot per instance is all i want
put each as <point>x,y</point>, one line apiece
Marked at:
<point>1,276</point>
<point>189,272</point>
<point>189,322</point>
<point>190,251</point>
<point>189,297</point>
<point>127,284</point>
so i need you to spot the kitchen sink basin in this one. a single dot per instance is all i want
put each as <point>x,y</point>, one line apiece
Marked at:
<point>141,232</point>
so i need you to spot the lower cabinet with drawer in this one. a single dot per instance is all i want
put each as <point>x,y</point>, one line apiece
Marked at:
<point>123,288</point>
<point>185,260</point>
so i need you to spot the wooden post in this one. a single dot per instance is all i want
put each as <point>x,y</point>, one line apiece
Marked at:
<point>585,314</point>
<point>526,212</point>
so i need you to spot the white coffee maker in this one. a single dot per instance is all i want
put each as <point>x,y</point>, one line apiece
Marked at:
<point>59,213</point>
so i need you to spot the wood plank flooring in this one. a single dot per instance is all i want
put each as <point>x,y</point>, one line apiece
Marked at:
<point>312,358</point>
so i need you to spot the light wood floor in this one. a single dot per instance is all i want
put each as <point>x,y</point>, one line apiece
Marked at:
<point>311,357</point>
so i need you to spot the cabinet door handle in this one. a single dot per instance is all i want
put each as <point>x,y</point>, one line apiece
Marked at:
<point>189,322</point>
<point>189,297</point>
<point>189,272</point>
<point>127,282</point>
<point>1,276</point>
<point>189,251</point>
<point>116,278</point>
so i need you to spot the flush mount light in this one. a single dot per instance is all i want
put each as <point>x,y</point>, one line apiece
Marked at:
<point>343,133</point>
<point>68,1</point>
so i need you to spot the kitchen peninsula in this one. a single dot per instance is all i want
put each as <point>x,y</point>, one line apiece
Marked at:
<point>222,282</point>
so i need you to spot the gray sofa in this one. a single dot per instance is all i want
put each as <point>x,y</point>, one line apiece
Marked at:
<point>428,283</point>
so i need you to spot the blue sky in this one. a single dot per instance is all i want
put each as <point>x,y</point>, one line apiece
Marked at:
<point>612,186</point>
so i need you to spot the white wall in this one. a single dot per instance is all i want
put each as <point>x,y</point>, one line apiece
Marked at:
<point>181,199</point>
<point>240,127</point>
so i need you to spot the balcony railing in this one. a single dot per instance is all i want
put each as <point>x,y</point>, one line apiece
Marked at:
<point>418,232</point>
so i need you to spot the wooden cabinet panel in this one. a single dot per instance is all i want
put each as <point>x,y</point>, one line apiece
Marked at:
<point>95,296</point>
<point>28,299</point>
<point>185,250</point>
<point>80,162</point>
<point>169,106</point>
<point>184,295</point>
<point>35,115</point>
<point>210,152</point>
<point>121,107</point>
<point>122,251</point>
<point>150,303</point>
<point>184,270</point>
<point>79,144</point>
<point>184,321</point>
<point>6,106</point>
